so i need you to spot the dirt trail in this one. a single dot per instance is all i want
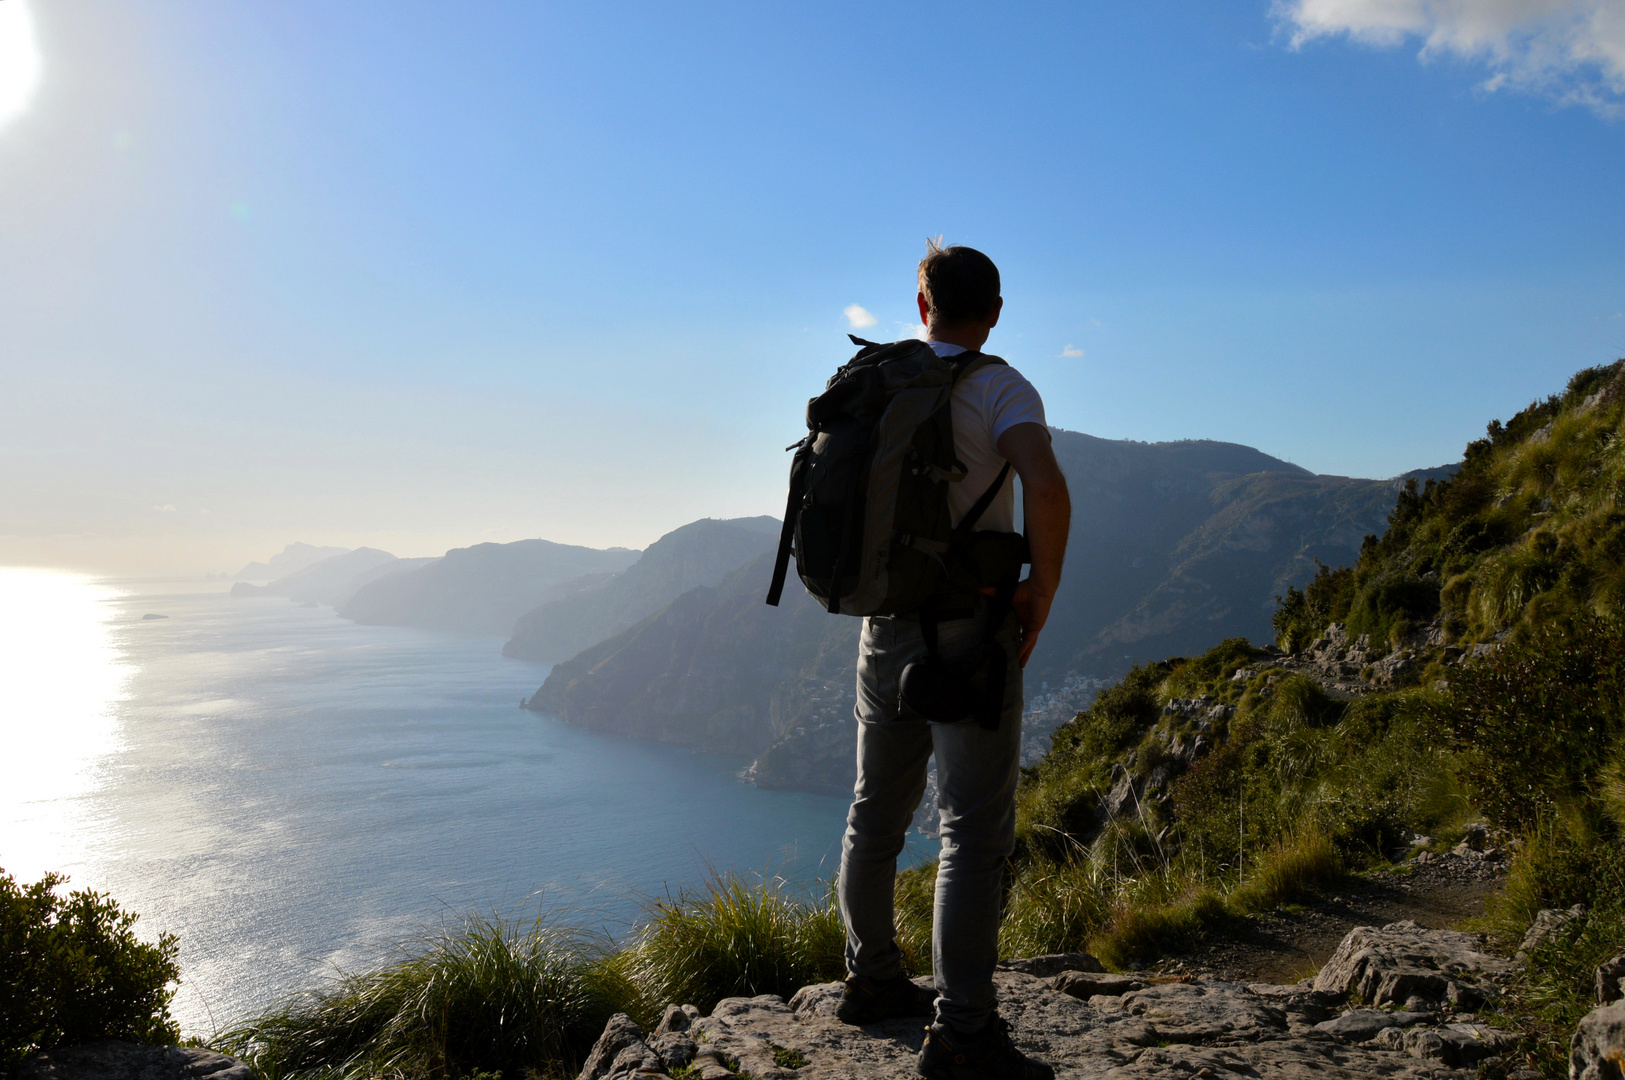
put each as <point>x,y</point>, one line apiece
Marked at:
<point>1284,946</point>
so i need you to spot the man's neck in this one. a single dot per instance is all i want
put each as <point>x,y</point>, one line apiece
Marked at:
<point>969,338</point>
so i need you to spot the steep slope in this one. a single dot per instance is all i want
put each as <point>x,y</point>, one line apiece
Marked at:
<point>700,553</point>
<point>704,670</point>
<point>1530,529</point>
<point>1177,544</point>
<point>481,589</point>
<point>333,580</point>
<point>290,560</point>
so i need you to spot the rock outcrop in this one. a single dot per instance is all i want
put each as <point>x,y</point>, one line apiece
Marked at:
<point>1091,1024</point>
<point>1409,965</point>
<point>1597,1051</point>
<point>113,1060</point>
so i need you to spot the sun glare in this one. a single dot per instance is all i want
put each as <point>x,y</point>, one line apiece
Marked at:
<point>19,59</point>
<point>60,676</point>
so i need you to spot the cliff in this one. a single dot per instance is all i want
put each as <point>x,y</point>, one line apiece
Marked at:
<point>701,553</point>
<point>481,589</point>
<point>333,580</point>
<point>702,671</point>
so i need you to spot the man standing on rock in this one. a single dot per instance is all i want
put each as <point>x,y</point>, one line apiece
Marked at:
<point>997,417</point>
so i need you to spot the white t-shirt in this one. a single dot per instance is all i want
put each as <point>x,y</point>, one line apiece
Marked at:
<point>988,402</point>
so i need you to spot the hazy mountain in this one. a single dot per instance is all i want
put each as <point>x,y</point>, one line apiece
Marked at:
<point>481,589</point>
<point>1174,546</point>
<point>704,670</point>
<point>333,580</point>
<point>700,553</point>
<point>291,560</point>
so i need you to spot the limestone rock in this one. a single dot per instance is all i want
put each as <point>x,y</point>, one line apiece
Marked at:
<point>1192,1012</point>
<point>1198,1028</point>
<point>677,1018</point>
<point>1550,925</point>
<point>1391,965</point>
<point>1052,964</point>
<point>1609,974</point>
<point>1457,1045</point>
<point>619,1034</point>
<point>113,1060</point>
<point>1085,985</point>
<point>1597,1051</point>
<point>1361,1025</point>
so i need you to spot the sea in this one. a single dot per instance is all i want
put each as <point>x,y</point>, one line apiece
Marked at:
<point>293,795</point>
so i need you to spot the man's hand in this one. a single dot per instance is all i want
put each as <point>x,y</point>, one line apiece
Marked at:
<point>1048,508</point>
<point>1032,612</point>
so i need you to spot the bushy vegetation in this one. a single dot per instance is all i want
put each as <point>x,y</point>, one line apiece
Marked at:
<point>72,970</point>
<point>1529,529</point>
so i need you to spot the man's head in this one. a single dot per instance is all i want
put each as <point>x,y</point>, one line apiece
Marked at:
<point>959,290</point>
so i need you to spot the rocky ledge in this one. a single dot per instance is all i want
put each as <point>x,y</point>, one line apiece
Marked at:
<point>1394,1001</point>
<point>113,1060</point>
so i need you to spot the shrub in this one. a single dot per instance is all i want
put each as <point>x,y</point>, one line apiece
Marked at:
<point>1302,616</point>
<point>740,938</point>
<point>72,970</point>
<point>1562,862</point>
<point>1535,719</point>
<point>486,996</point>
<point>1387,599</point>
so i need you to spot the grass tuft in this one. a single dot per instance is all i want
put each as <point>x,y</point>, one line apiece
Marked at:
<point>488,995</point>
<point>738,938</point>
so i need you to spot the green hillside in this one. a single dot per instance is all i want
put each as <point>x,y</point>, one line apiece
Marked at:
<point>1529,530</point>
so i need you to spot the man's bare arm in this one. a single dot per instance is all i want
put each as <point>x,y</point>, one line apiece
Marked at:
<point>1048,508</point>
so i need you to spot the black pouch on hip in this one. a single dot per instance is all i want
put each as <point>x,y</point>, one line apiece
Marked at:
<point>947,690</point>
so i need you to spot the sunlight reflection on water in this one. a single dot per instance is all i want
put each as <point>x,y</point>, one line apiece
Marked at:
<point>61,675</point>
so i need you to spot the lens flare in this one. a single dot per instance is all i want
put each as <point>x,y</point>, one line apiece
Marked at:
<point>20,61</point>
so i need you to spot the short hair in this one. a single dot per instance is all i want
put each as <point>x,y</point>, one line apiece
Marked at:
<point>960,284</point>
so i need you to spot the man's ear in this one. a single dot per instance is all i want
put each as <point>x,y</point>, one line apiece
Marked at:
<point>925,308</point>
<point>998,306</point>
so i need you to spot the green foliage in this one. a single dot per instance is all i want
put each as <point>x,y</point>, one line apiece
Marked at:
<point>1302,616</point>
<point>486,996</point>
<point>737,938</point>
<point>914,898</point>
<point>1530,528</point>
<point>1563,860</point>
<point>1291,869</point>
<point>1538,719</point>
<point>72,970</point>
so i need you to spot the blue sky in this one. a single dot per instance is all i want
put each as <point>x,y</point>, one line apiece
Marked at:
<point>422,275</point>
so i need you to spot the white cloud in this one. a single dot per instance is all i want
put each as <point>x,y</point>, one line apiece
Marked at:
<point>858,317</point>
<point>1071,350</point>
<point>1570,50</point>
<point>166,508</point>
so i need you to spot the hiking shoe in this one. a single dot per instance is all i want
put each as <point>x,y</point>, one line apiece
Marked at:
<point>864,1001</point>
<point>987,1055</point>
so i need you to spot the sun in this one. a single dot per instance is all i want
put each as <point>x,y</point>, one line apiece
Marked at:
<point>19,59</point>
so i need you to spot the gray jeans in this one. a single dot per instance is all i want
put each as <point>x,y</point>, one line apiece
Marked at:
<point>977,772</point>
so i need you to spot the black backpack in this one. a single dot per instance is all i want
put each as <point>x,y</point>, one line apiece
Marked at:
<point>868,523</point>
